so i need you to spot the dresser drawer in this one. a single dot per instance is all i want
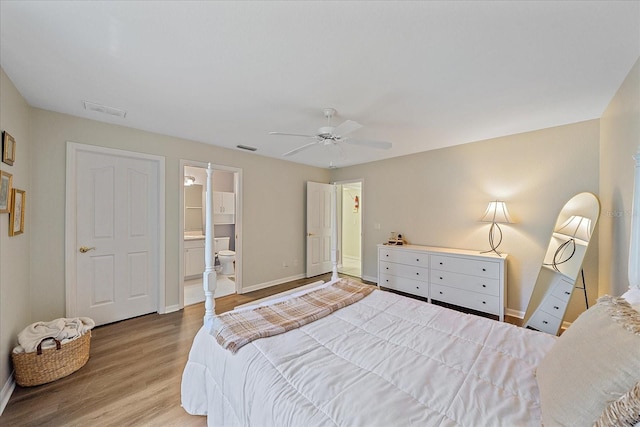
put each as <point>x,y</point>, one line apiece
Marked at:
<point>418,259</point>
<point>402,270</point>
<point>473,300</point>
<point>562,290</point>
<point>545,322</point>
<point>554,306</point>
<point>479,268</point>
<point>403,284</point>
<point>465,282</point>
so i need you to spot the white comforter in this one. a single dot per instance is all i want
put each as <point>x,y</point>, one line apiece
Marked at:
<point>384,361</point>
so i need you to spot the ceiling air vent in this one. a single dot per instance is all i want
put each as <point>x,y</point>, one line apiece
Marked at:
<point>104,109</point>
<point>246,147</point>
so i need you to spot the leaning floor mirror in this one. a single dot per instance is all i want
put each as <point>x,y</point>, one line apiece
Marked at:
<point>561,272</point>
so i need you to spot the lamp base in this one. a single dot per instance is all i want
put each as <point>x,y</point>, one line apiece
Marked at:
<point>492,235</point>
<point>492,250</point>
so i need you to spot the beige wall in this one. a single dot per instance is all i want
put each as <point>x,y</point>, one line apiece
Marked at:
<point>619,141</point>
<point>436,197</point>
<point>273,203</point>
<point>15,305</point>
<point>433,198</point>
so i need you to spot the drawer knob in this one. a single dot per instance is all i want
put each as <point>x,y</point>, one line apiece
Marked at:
<point>484,269</point>
<point>484,286</point>
<point>418,259</point>
<point>387,280</point>
<point>417,287</point>
<point>440,263</point>
<point>556,307</point>
<point>545,322</point>
<point>567,293</point>
<point>387,255</point>
<point>387,268</point>
<point>440,292</point>
<point>484,302</point>
<point>417,274</point>
<point>441,278</point>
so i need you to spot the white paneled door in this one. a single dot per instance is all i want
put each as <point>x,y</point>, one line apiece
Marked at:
<point>319,228</point>
<point>117,247</point>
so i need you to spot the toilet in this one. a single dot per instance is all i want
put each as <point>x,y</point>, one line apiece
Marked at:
<point>225,256</point>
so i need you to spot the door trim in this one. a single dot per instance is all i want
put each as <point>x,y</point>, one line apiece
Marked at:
<point>362,214</point>
<point>70,221</point>
<point>238,225</point>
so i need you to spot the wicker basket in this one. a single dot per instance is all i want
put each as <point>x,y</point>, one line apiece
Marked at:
<point>44,366</point>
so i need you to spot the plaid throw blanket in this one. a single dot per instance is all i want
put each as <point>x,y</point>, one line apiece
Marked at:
<point>232,330</point>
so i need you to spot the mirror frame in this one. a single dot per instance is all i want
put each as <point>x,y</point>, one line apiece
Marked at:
<point>556,281</point>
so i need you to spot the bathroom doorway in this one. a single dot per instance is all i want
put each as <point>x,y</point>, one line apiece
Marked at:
<point>350,228</point>
<point>227,220</point>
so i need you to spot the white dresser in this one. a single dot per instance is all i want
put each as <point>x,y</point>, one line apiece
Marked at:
<point>456,276</point>
<point>548,316</point>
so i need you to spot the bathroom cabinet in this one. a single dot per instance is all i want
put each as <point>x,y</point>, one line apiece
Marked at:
<point>224,204</point>
<point>193,258</point>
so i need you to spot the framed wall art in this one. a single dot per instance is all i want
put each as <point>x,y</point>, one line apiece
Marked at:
<point>5,191</point>
<point>16,217</point>
<point>8,148</point>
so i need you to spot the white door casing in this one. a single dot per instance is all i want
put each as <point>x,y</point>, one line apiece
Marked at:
<point>343,227</point>
<point>319,228</point>
<point>115,233</point>
<point>235,206</point>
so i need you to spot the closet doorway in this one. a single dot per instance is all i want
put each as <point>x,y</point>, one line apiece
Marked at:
<point>227,218</point>
<point>350,228</point>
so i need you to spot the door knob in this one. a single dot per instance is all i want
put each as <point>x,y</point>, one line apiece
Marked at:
<point>310,234</point>
<point>85,249</point>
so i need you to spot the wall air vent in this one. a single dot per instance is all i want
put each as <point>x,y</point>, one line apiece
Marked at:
<point>104,109</point>
<point>246,147</point>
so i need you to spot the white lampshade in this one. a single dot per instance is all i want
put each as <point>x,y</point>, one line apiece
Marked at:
<point>577,227</point>
<point>497,212</point>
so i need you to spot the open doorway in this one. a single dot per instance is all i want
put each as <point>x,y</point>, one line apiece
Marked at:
<point>350,228</point>
<point>226,230</point>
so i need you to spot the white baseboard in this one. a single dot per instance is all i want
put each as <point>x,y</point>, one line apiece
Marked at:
<point>171,309</point>
<point>514,313</point>
<point>270,283</point>
<point>7,391</point>
<point>370,279</point>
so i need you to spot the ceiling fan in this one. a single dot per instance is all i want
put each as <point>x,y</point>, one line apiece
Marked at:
<point>329,135</point>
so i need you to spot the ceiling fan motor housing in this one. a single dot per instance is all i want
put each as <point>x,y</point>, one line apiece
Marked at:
<point>326,132</point>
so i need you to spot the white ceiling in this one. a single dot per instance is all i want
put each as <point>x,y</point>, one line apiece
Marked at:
<point>423,75</point>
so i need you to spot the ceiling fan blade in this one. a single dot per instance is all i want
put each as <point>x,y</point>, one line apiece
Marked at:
<point>346,127</point>
<point>383,145</point>
<point>299,149</point>
<point>291,134</point>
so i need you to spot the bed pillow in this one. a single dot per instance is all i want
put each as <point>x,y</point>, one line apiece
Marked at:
<point>591,375</point>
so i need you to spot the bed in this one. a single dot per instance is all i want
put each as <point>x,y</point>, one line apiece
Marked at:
<point>388,360</point>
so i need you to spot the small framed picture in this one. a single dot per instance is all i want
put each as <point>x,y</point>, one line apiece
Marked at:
<point>5,191</point>
<point>16,217</point>
<point>8,148</point>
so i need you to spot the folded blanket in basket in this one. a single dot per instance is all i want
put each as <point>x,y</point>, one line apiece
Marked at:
<point>234,329</point>
<point>63,329</point>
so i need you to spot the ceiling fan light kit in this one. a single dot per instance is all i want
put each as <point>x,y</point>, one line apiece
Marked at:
<point>329,135</point>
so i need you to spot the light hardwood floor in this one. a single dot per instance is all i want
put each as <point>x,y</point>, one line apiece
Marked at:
<point>133,374</point>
